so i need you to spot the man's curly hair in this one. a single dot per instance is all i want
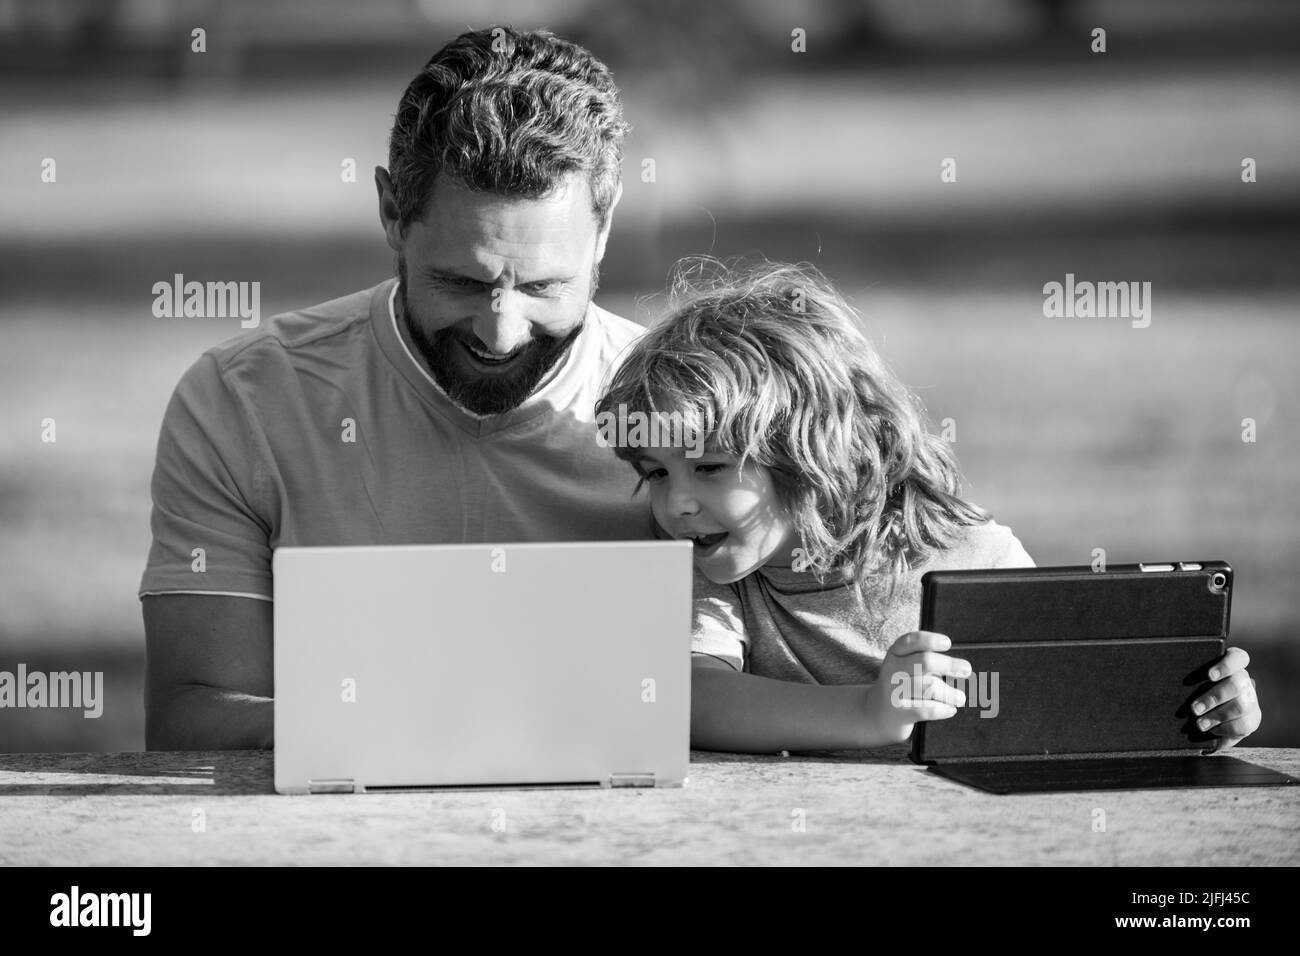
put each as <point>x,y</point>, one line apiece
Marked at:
<point>508,112</point>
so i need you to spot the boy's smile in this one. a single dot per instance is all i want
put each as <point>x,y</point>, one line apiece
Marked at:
<point>734,517</point>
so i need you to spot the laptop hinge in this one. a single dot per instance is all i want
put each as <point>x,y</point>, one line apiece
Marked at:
<point>332,786</point>
<point>631,780</point>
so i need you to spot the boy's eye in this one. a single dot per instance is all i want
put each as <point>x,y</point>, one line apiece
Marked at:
<point>654,474</point>
<point>711,469</point>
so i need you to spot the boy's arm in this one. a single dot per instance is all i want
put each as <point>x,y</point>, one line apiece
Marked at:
<point>744,713</point>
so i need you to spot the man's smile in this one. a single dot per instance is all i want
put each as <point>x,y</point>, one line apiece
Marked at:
<point>487,359</point>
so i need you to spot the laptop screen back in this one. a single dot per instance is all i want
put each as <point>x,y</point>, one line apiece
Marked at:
<point>479,665</point>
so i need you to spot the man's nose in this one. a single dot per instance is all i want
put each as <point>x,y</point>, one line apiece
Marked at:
<point>500,324</point>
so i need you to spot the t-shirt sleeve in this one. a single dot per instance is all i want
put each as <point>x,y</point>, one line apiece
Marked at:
<point>1008,552</point>
<point>205,494</point>
<point>717,628</point>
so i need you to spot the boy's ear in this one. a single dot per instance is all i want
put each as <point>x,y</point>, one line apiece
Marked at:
<point>603,238</point>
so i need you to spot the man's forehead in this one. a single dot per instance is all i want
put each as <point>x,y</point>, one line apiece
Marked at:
<point>463,227</point>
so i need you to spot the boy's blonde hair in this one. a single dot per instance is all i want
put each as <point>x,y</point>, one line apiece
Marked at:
<point>768,362</point>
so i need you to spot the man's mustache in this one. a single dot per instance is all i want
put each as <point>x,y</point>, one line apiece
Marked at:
<point>441,339</point>
<point>474,342</point>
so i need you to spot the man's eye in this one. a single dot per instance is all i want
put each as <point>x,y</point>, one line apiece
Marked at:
<point>543,288</point>
<point>459,285</point>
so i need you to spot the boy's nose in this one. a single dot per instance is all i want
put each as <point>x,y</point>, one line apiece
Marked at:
<point>681,502</point>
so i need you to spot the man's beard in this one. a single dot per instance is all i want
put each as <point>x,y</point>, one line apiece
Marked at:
<point>486,394</point>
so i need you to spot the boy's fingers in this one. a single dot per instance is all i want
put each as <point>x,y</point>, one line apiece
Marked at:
<point>942,693</point>
<point>933,710</point>
<point>914,641</point>
<point>931,688</point>
<point>922,683</point>
<point>1234,659</point>
<point>943,665</point>
<point>1238,685</point>
<point>1240,716</point>
<point>1236,729</point>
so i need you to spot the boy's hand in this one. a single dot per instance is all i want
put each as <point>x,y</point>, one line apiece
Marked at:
<point>1229,708</point>
<point>910,686</point>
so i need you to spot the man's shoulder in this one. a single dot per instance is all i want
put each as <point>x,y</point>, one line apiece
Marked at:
<point>616,333</point>
<point>300,329</point>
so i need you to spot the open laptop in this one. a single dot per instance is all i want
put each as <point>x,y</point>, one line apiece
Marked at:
<point>514,665</point>
<point>1082,680</point>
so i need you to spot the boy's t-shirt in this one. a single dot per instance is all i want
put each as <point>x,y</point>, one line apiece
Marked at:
<point>782,623</point>
<point>322,429</point>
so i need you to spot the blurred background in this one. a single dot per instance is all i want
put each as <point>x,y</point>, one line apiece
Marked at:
<point>1077,433</point>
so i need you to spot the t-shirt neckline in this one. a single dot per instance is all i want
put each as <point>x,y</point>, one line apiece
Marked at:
<point>560,392</point>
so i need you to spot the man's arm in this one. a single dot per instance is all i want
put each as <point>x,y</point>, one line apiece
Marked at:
<point>208,673</point>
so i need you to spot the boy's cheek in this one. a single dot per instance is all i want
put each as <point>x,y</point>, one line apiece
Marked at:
<point>656,509</point>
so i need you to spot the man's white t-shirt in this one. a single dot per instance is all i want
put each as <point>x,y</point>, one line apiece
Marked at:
<point>322,429</point>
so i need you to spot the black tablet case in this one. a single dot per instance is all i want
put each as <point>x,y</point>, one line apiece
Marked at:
<point>1097,671</point>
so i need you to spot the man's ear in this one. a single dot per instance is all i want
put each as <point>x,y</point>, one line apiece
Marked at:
<point>389,215</point>
<point>609,221</point>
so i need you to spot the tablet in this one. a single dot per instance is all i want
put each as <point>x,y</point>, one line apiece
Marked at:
<point>1082,679</point>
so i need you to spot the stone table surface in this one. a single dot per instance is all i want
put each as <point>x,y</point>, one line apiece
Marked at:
<point>874,808</point>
